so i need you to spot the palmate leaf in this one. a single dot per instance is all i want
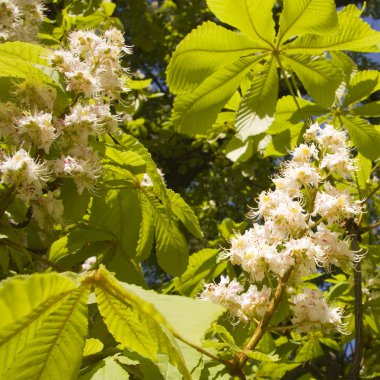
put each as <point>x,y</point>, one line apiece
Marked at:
<point>196,111</point>
<point>171,248</point>
<point>134,322</point>
<point>256,110</point>
<point>364,136</point>
<point>354,34</point>
<point>319,76</point>
<point>185,214</point>
<point>25,303</point>
<point>253,18</point>
<point>55,352</point>
<point>307,16</point>
<point>203,51</point>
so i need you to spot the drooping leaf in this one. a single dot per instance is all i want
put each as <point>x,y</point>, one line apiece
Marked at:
<point>319,76</point>
<point>185,214</point>
<point>256,110</point>
<point>171,248</point>
<point>134,322</point>
<point>25,304</point>
<point>202,52</point>
<point>307,16</point>
<point>253,18</point>
<point>196,111</point>
<point>146,231</point>
<point>361,86</point>
<point>362,174</point>
<point>203,267</point>
<point>55,351</point>
<point>354,34</point>
<point>364,136</point>
<point>118,212</point>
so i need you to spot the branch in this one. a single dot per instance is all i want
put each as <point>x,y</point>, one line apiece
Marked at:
<point>242,358</point>
<point>358,351</point>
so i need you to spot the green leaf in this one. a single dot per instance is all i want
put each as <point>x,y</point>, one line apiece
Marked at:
<point>205,50</point>
<point>25,303</point>
<point>146,231</point>
<point>177,309</point>
<point>288,114</point>
<point>185,214</point>
<point>203,267</point>
<point>134,322</point>
<point>354,34</point>
<point>256,110</point>
<point>260,356</point>
<point>196,111</point>
<point>285,141</point>
<point>107,369</point>
<point>371,109</point>
<point>310,350</point>
<point>253,18</point>
<point>171,248</point>
<point>25,51</point>
<point>362,174</point>
<point>92,346</point>
<point>364,135</point>
<point>344,63</point>
<point>361,86</point>
<point>307,16</point>
<point>319,76</point>
<point>118,212</point>
<point>24,60</point>
<point>56,349</point>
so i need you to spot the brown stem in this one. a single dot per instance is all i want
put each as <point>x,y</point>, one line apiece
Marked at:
<point>261,328</point>
<point>373,192</point>
<point>358,351</point>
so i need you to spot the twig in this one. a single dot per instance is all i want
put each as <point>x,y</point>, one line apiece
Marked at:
<point>242,357</point>
<point>358,350</point>
<point>374,191</point>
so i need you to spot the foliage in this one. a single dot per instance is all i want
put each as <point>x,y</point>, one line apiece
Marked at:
<point>89,221</point>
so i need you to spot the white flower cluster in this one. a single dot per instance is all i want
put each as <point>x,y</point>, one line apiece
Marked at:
<point>92,66</point>
<point>300,231</point>
<point>47,147</point>
<point>20,19</point>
